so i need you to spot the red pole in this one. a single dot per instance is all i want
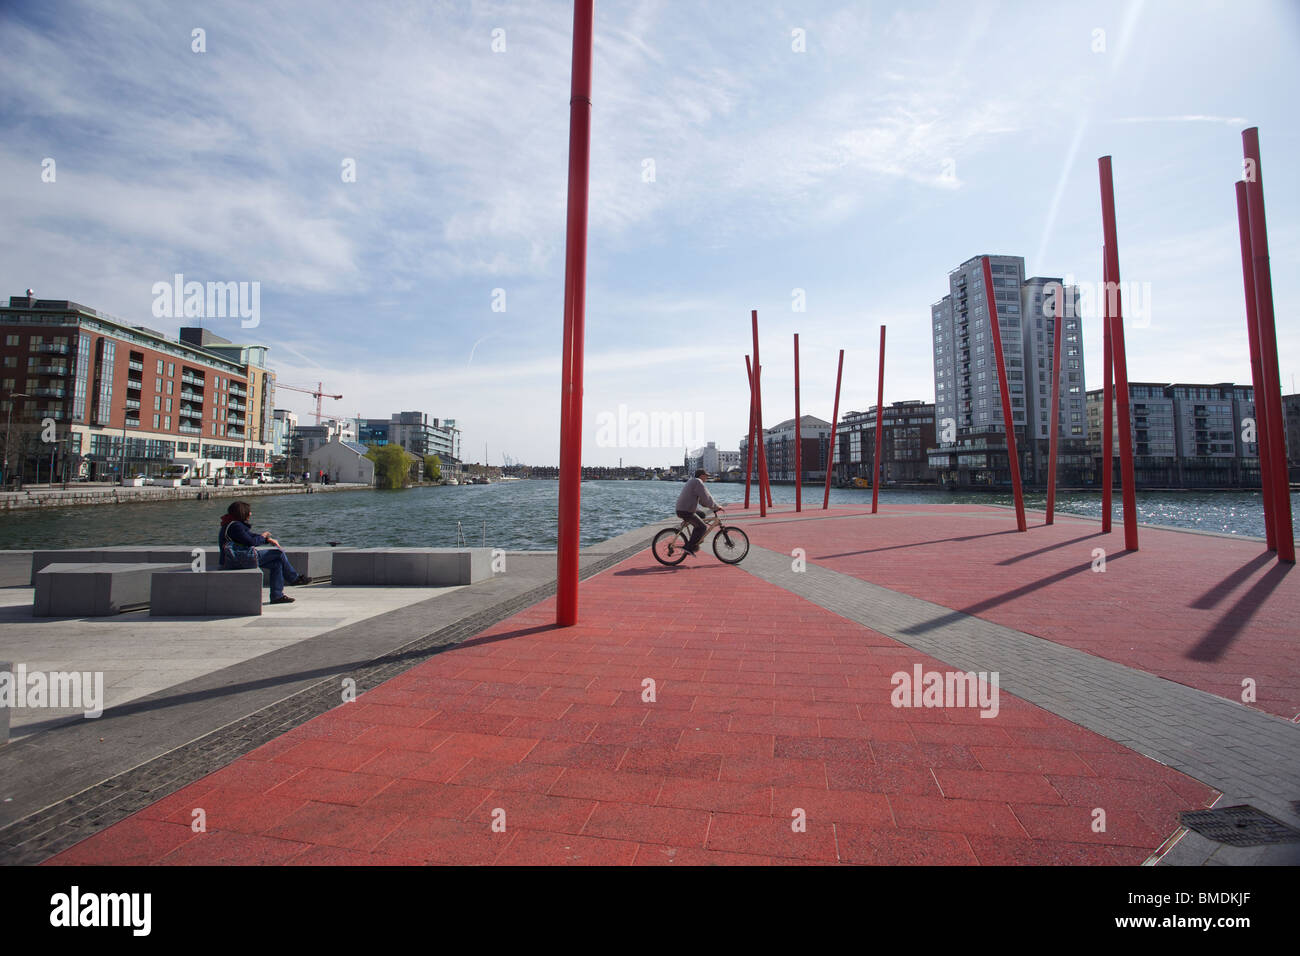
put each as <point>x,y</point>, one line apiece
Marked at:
<point>575,291</point>
<point>1108,399</point>
<point>1272,397</point>
<point>835,416</point>
<point>798,448</point>
<point>751,452</point>
<point>1262,426</point>
<point>880,424</point>
<point>1122,408</point>
<point>758,419</point>
<point>1055,427</point>
<point>1013,455</point>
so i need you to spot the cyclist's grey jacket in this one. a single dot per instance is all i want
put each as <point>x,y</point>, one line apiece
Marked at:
<point>693,495</point>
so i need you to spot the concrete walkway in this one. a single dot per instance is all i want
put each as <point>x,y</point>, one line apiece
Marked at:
<point>772,733</point>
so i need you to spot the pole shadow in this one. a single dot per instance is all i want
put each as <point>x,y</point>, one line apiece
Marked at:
<point>1225,630</point>
<point>953,617</point>
<point>916,544</point>
<point>1234,580</point>
<point>1050,547</point>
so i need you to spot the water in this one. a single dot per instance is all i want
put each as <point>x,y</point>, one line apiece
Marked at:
<point>521,515</point>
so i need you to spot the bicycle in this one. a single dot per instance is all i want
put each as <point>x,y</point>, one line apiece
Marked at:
<point>730,544</point>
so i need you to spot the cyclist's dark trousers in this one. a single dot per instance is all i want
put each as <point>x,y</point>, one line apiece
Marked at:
<point>698,528</point>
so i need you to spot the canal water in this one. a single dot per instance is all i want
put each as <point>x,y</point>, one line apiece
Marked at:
<point>521,515</point>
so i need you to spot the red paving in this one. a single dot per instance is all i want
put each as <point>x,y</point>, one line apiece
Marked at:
<point>1201,610</point>
<point>765,704</point>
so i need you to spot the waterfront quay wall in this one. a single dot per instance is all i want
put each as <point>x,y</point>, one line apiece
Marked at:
<point>113,495</point>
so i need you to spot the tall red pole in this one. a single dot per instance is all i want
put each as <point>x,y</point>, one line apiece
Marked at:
<point>835,417</point>
<point>575,295</point>
<point>1262,426</point>
<point>751,452</point>
<point>798,435</point>
<point>1009,423</point>
<point>1055,427</point>
<point>1108,399</point>
<point>1122,408</point>
<point>758,418</point>
<point>1264,320</point>
<point>880,424</point>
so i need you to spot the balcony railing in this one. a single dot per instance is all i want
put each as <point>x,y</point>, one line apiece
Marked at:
<point>130,403</point>
<point>189,379</point>
<point>188,430</point>
<point>50,370</point>
<point>239,390</point>
<point>134,384</point>
<point>192,396</point>
<point>52,349</point>
<point>50,392</point>
<point>133,423</point>
<point>135,366</point>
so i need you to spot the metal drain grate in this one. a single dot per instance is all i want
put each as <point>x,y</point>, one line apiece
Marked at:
<point>1239,826</point>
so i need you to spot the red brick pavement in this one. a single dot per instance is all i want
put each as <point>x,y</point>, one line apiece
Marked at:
<point>1201,610</point>
<point>765,704</point>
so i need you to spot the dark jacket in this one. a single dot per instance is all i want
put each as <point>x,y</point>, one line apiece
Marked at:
<point>236,532</point>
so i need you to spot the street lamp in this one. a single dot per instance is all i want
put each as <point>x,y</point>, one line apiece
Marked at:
<point>8,430</point>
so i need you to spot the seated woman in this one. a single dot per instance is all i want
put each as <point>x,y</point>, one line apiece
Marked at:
<point>235,532</point>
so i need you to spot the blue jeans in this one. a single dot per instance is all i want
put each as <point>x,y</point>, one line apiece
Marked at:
<point>275,563</point>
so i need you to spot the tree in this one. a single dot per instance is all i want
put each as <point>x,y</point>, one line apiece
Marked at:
<point>433,467</point>
<point>391,465</point>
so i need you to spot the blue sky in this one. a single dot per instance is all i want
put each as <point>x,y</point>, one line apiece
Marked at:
<point>902,139</point>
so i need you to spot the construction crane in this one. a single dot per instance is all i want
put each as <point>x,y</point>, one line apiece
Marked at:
<point>316,392</point>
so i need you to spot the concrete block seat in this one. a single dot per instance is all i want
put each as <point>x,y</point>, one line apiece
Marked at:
<point>316,563</point>
<point>182,592</point>
<point>95,589</point>
<point>313,562</point>
<point>412,567</point>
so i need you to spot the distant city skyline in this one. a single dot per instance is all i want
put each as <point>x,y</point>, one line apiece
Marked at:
<point>385,190</point>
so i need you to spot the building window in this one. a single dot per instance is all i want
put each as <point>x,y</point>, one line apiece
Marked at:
<point>155,422</point>
<point>167,422</point>
<point>157,385</point>
<point>169,387</point>
<point>171,368</point>
<point>169,404</point>
<point>159,372</point>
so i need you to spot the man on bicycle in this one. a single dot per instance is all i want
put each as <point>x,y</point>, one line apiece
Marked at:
<point>692,496</point>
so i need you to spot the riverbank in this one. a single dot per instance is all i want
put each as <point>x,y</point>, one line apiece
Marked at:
<point>44,496</point>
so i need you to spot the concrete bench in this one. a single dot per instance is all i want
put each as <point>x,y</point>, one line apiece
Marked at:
<point>94,590</point>
<point>187,593</point>
<point>15,569</point>
<point>316,563</point>
<point>418,567</point>
<point>122,554</point>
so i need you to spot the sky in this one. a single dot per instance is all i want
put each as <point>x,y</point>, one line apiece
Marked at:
<point>394,175</point>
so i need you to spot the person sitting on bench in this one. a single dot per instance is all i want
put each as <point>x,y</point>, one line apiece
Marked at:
<point>237,543</point>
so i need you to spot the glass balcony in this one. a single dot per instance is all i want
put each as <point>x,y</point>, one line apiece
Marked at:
<point>49,370</point>
<point>49,392</point>
<point>134,384</point>
<point>52,349</point>
<point>135,366</point>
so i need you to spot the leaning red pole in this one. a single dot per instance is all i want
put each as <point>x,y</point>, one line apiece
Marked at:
<point>750,452</point>
<point>835,415</point>
<point>880,424</point>
<point>1268,351</point>
<point>1262,426</point>
<point>1055,427</point>
<point>758,417</point>
<point>1009,423</point>
<point>575,294</point>
<point>1108,400</point>
<point>1122,408</point>
<point>798,449</point>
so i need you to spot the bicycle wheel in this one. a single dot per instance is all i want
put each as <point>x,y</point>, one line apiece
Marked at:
<point>669,547</point>
<point>731,545</point>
